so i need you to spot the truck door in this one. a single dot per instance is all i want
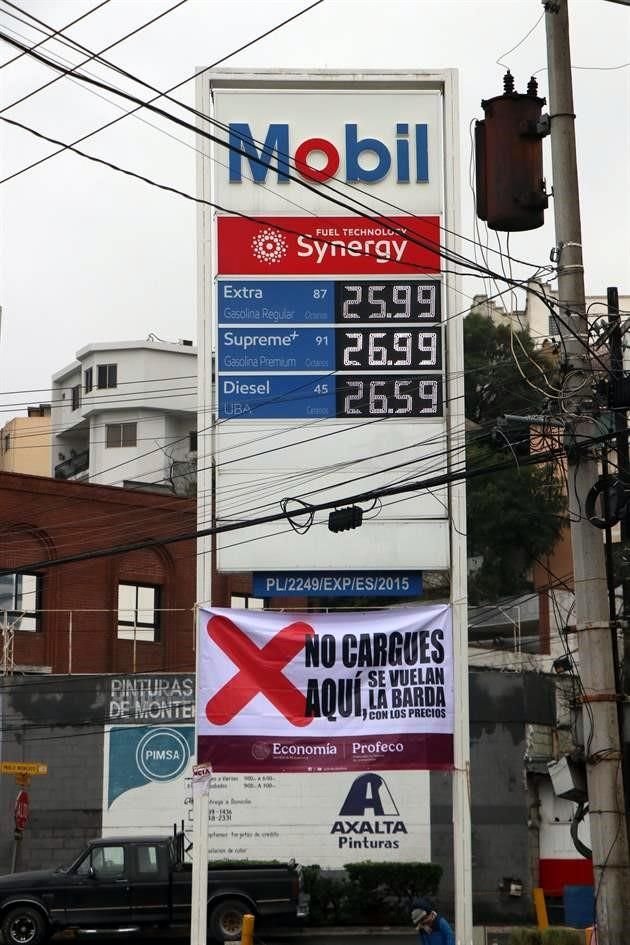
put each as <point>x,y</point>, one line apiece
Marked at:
<point>150,893</point>
<point>98,888</point>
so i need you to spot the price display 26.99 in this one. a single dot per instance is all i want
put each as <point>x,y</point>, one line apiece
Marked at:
<point>374,395</point>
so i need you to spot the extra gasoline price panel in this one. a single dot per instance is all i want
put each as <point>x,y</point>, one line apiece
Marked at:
<point>377,346</point>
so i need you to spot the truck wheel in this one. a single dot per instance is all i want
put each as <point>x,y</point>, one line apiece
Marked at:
<point>226,920</point>
<point>24,926</point>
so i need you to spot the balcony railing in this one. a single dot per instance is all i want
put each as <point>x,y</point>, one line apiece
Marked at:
<point>73,466</point>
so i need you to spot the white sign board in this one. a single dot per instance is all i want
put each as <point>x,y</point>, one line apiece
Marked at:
<point>320,287</point>
<point>281,692</point>
<point>372,815</point>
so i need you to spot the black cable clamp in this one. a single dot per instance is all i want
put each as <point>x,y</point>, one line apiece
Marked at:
<point>612,490</point>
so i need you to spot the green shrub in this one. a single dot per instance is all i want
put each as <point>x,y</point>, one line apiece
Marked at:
<point>402,880</point>
<point>554,935</point>
<point>369,893</point>
<point>561,936</point>
<point>525,937</point>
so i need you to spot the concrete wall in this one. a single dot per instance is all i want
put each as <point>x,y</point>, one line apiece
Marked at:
<point>25,445</point>
<point>501,705</point>
<point>57,720</point>
<point>61,721</point>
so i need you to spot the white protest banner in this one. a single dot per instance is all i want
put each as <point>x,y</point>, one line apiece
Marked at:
<point>325,692</point>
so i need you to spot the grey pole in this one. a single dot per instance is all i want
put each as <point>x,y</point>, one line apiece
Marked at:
<point>601,731</point>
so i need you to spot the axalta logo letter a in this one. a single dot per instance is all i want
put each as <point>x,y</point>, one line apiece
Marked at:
<point>369,793</point>
<point>365,160</point>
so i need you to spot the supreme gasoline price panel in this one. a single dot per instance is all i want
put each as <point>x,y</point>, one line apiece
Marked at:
<point>377,346</point>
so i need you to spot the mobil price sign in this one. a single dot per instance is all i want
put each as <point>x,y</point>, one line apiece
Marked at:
<point>322,282</point>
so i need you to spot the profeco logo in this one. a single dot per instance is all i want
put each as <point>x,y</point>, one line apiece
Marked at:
<point>365,160</point>
<point>162,754</point>
<point>368,818</point>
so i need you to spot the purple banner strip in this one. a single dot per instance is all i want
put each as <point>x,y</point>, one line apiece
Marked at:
<point>259,754</point>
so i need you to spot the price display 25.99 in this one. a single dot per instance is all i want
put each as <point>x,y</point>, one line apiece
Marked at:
<point>373,395</point>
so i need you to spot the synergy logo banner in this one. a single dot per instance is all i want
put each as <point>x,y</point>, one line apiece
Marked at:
<point>325,692</point>
<point>328,245</point>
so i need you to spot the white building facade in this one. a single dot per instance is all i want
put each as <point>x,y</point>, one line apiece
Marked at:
<point>124,413</point>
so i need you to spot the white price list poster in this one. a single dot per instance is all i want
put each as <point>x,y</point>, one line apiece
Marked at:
<point>372,815</point>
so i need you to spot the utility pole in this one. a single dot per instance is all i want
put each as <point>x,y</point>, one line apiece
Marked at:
<point>623,466</point>
<point>609,838</point>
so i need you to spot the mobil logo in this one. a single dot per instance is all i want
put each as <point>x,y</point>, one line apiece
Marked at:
<point>254,153</point>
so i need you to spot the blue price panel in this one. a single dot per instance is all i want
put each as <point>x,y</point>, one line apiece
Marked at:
<point>276,302</point>
<point>276,349</point>
<point>335,584</point>
<point>277,397</point>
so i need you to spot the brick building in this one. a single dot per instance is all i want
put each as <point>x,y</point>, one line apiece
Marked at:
<point>83,617</point>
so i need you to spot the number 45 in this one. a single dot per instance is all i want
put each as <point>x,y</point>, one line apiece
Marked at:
<point>321,388</point>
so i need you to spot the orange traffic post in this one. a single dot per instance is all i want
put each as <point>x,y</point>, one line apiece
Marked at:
<point>541,908</point>
<point>247,930</point>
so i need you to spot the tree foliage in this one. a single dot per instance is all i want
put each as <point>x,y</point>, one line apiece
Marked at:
<point>516,515</point>
<point>498,369</point>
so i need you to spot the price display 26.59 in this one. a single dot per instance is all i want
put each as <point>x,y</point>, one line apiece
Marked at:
<point>374,395</point>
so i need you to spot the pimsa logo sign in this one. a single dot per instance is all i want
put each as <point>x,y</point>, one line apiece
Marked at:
<point>328,245</point>
<point>334,693</point>
<point>274,150</point>
<point>141,754</point>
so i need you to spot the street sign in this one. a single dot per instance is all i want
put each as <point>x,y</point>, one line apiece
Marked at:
<point>21,810</point>
<point>202,771</point>
<point>23,767</point>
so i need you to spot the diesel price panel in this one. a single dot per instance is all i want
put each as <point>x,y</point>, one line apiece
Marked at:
<point>361,348</point>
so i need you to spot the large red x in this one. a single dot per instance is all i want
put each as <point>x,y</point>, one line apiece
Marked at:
<point>259,671</point>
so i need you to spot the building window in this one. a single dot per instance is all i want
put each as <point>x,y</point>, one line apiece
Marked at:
<point>6,442</point>
<point>20,599</point>
<point>120,434</point>
<point>88,380</point>
<point>76,397</point>
<point>247,602</point>
<point>192,441</point>
<point>107,376</point>
<point>138,612</point>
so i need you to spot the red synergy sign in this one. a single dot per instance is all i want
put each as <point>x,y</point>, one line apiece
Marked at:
<point>21,810</point>
<point>328,245</point>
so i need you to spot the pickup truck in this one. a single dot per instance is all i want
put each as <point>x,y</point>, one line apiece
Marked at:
<point>129,883</point>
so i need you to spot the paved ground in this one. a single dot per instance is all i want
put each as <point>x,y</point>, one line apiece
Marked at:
<point>367,936</point>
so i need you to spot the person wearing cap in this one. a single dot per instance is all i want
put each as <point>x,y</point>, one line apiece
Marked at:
<point>432,928</point>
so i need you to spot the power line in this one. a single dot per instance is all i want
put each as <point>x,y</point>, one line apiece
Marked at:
<point>535,459</point>
<point>178,85</point>
<point>31,51</point>
<point>58,32</point>
<point>354,188</point>
<point>392,225</point>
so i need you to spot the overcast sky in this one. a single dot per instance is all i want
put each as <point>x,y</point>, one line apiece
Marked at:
<point>89,255</point>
